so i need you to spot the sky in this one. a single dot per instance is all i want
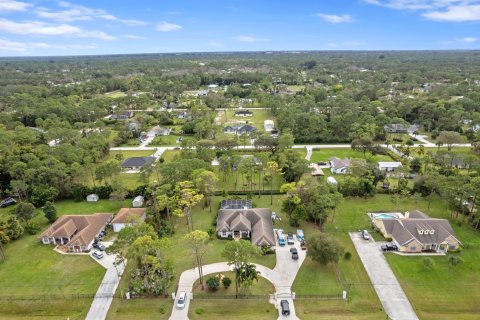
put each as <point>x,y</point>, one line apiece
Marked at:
<point>88,27</point>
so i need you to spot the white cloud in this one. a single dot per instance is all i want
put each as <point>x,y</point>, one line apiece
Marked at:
<point>167,26</point>
<point>436,10</point>
<point>7,46</point>
<point>132,36</point>
<point>13,6</point>
<point>455,14</point>
<point>346,44</point>
<point>45,29</point>
<point>75,12</point>
<point>248,38</point>
<point>468,39</point>
<point>334,18</point>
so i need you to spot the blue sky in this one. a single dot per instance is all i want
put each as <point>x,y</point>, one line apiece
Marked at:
<point>50,27</point>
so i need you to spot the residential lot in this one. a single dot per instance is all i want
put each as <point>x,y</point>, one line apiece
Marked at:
<point>327,153</point>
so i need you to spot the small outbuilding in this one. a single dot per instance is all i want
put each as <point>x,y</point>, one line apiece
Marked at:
<point>138,201</point>
<point>332,181</point>
<point>92,197</point>
<point>389,166</point>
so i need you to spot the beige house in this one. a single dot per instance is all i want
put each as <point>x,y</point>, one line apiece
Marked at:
<point>416,232</point>
<point>128,216</point>
<point>76,232</point>
<point>255,224</point>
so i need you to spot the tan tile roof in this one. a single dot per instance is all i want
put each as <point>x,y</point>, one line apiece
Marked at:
<point>127,214</point>
<point>87,227</point>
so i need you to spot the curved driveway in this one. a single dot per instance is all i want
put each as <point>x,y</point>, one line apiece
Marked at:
<point>282,277</point>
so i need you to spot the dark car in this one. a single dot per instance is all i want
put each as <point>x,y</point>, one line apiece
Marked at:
<point>303,245</point>
<point>99,246</point>
<point>389,247</point>
<point>322,163</point>
<point>294,253</point>
<point>290,239</point>
<point>8,202</point>
<point>285,307</point>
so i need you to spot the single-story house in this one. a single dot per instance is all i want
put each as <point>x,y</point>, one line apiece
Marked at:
<point>136,163</point>
<point>181,115</point>
<point>240,129</point>
<point>159,131</point>
<point>400,128</point>
<point>138,201</point>
<point>417,232</point>
<point>76,232</point>
<point>92,197</point>
<point>339,166</point>
<point>255,224</point>
<point>268,125</point>
<point>389,166</point>
<point>243,113</point>
<point>127,216</point>
<point>121,116</point>
<point>236,204</point>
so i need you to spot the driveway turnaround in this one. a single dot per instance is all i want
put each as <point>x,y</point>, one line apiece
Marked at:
<point>389,291</point>
<point>104,296</point>
<point>282,277</point>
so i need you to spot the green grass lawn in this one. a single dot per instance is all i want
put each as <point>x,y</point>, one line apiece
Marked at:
<point>169,155</point>
<point>252,309</point>
<point>170,140</point>
<point>129,154</point>
<point>259,116</point>
<point>34,269</point>
<point>443,292</point>
<point>115,94</point>
<point>140,309</point>
<point>260,287</point>
<point>327,153</point>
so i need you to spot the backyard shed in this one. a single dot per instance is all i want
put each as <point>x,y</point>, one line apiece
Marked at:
<point>92,197</point>
<point>138,202</point>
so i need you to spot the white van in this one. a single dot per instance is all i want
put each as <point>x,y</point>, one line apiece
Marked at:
<point>182,299</point>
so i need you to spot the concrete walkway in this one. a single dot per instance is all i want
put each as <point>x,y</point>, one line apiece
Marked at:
<point>389,291</point>
<point>282,277</point>
<point>104,296</point>
<point>309,153</point>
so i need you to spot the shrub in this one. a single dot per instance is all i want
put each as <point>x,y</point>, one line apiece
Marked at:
<point>211,232</point>
<point>267,250</point>
<point>32,227</point>
<point>162,310</point>
<point>347,255</point>
<point>428,263</point>
<point>455,260</point>
<point>199,311</point>
<point>213,283</point>
<point>226,281</point>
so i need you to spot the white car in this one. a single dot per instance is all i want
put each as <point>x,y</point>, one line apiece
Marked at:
<point>182,299</point>
<point>97,254</point>
<point>365,235</point>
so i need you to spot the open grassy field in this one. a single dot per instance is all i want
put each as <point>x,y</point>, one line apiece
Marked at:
<point>129,153</point>
<point>170,140</point>
<point>259,116</point>
<point>140,309</point>
<point>115,94</point>
<point>260,287</point>
<point>327,153</point>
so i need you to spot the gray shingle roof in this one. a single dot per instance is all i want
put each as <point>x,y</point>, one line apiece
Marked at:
<point>337,163</point>
<point>259,223</point>
<point>138,162</point>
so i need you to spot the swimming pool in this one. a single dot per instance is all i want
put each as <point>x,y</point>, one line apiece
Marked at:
<point>384,216</point>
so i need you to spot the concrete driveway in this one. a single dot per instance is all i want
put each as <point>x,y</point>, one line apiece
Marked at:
<point>389,291</point>
<point>104,296</point>
<point>282,277</point>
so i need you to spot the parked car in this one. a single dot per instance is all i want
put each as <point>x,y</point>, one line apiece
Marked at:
<point>281,237</point>
<point>290,239</point>
<point>322,163</point>
<point>8,202</point>
<point>97,254</point>
<point>294,253</point>
<point>300,235</point>
<point>99,246</point>
<point>389,247</point>
<point>365,235</point>
<point>285,307</point>
<point>182,299</point>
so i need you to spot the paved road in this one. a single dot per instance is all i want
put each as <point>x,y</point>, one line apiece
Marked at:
<point>282,277</point>
<point>389,291</point>
<point>309,153</point>
<point>104,296</point>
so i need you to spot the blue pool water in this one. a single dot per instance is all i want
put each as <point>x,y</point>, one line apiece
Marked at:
<point>384,216</point>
